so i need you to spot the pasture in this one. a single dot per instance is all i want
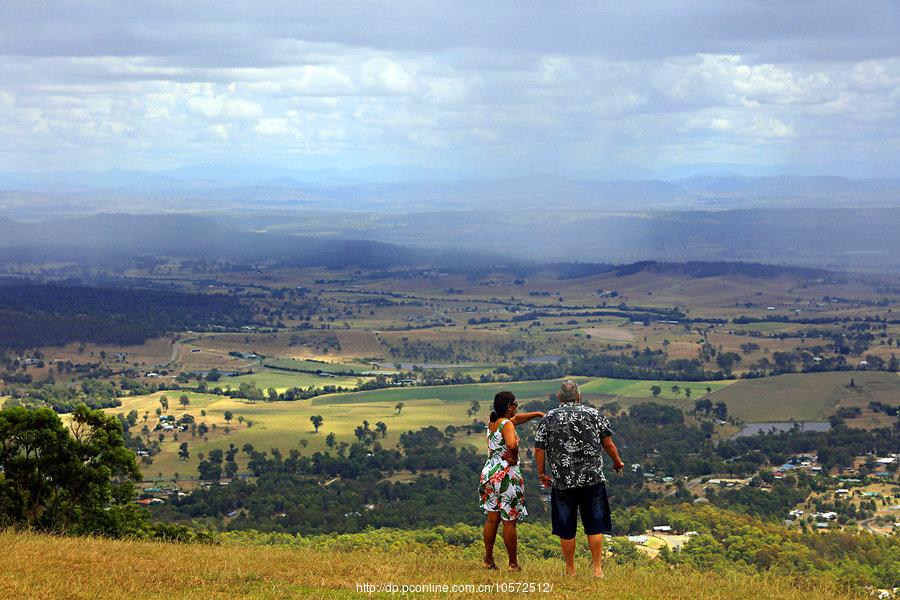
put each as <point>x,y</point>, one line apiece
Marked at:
<point>283,380</point>
<point>284,424</point>
<point>809,396</point>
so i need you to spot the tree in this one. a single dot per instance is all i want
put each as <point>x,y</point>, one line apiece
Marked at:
<point>399,406</point>
<point>273,394</point>
<point>703,405</point>
<point>687,393</point>
<point>54,480</point>
<point>381,428</point>
<point>655,390</point>
<point>330,439</point>
<point>164,403</point>
<point>183,451</point>
<point>228,416</point>
<point>184,401</point>
<point>721,411</point>
<point>474,409</point>
<point>675,390</point>
<point>317,421</point>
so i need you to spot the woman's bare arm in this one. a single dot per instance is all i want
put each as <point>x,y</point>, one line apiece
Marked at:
<point>525,417</point>
<point>512,442</point>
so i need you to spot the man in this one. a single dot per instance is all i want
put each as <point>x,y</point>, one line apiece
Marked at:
<point>571,440</point>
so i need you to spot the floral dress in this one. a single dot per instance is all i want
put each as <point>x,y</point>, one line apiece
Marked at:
<point>502,487</point>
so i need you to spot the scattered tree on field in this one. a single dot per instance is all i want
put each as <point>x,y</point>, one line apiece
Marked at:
<point>317,421</point>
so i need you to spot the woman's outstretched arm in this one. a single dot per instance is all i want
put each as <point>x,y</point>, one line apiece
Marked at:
<point>525,417</point>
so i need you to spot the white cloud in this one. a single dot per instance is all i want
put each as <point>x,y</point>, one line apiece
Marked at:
<point>214,107</point>
<point>272,127</point>
<point>388,75</point>
<point>270,89</point>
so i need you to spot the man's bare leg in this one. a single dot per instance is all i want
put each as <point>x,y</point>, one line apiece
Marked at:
<point>568,550</point>
<point>511,539</point>
<point>596,544</point>
<point>491,524</point>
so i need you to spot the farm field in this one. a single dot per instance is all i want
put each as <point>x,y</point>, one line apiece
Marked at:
<point>808,396</point>
<point>283,380</point>
<point>801,397</point>
<point>283,424</point>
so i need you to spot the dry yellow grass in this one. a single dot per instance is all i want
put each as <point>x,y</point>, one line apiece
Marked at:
<point>40,566</point>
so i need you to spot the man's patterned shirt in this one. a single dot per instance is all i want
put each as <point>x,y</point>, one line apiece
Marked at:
<point>571,437</point>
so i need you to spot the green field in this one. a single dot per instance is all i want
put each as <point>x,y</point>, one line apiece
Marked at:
<point>807,396</point>
<point>283,424</point>
<point>283,380</point>
<point>641,389</point>
<point>483,392</point>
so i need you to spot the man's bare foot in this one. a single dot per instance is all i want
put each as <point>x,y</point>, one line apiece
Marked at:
<point>598,572</point>
<point>570,572</point>
<point>489,564</point>
<point>514,567</point>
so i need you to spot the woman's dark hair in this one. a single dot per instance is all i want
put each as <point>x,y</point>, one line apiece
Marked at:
<point>501,404</point>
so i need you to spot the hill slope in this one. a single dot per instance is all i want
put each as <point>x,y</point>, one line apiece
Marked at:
<point>53,567</point>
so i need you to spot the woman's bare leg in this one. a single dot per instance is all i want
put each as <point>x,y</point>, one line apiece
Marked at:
<point>511,540</point>
<point>491,524</point>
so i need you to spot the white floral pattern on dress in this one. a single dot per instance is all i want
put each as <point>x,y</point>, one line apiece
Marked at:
<point>502,487</point>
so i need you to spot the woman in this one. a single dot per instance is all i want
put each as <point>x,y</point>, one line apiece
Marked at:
<point>502,487</point>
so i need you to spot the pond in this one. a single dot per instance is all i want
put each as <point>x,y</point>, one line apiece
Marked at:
<point>754,428</point>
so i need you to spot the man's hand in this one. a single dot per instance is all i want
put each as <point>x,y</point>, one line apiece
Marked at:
<point>618,466</point>
<point>546,480</point>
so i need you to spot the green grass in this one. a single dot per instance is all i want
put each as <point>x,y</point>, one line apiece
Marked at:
<point>641,389</point>
<point>282,380</point>
<point>483,392</point>
<point>806,396</point>
<point>283,424</point>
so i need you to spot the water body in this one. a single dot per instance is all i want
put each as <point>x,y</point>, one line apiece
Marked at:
<point>547,358</point>
<point>754,428</point>
<point>425,365</point>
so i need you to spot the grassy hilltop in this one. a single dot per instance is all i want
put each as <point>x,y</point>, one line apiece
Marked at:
<point>52,567</point>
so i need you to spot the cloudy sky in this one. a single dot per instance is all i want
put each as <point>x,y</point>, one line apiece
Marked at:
<point>599,89</point>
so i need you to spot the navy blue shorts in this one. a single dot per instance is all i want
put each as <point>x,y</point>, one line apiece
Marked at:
<point>593,504</point>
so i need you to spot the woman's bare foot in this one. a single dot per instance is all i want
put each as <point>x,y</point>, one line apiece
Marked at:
<point>598,572</point>
<point>489,563</point>
<point>514,567</point>
<point>570,572</point>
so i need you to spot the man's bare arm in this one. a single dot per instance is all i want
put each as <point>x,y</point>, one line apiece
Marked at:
<point>613,452</point>
<point>539,463</point>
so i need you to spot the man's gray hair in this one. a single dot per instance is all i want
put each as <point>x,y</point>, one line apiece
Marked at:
<point>569,392</point>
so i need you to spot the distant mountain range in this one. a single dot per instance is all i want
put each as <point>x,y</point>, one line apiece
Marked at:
<point>835,239</point>
<point>404,189</point>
